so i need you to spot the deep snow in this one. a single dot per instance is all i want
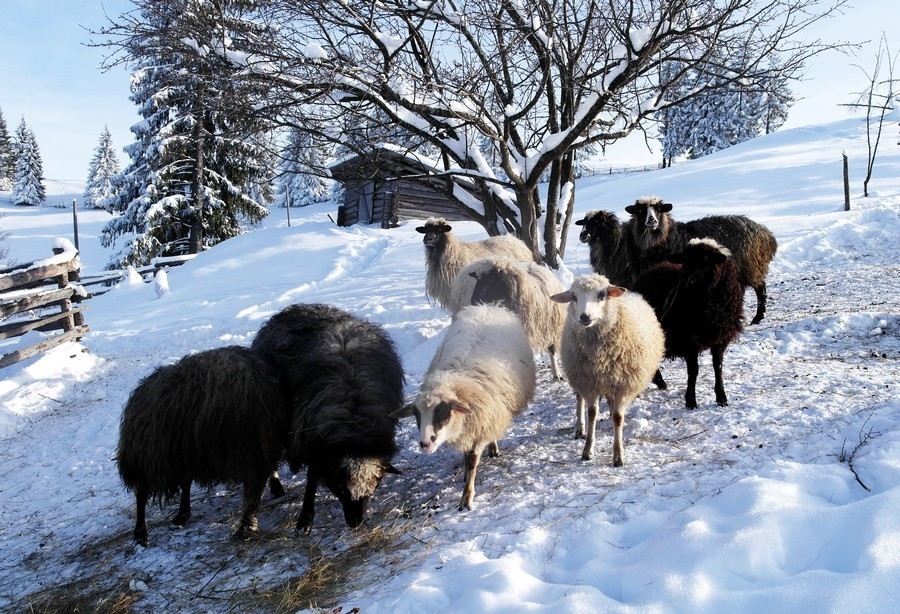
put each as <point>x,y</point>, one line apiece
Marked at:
<point>749,508</point>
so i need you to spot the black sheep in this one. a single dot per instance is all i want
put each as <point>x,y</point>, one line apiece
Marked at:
<point>604,235</point>
<point>698,300</point>
<point>219,416</point>
<point>652,235</point>
<point>345,381</point>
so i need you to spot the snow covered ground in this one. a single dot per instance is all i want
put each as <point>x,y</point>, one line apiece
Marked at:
<point>784,501</point>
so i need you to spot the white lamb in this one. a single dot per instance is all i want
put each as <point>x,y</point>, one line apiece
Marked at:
<point>480,378</point>
<point>612,345</point>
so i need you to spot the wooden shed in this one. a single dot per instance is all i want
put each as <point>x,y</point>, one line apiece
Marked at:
<point>389,186</point>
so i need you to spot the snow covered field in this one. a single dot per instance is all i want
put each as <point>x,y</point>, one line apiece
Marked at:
<point>784,501</point>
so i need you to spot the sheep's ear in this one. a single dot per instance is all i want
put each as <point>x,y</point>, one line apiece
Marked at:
<point>719,258</point>
<point>445,228</point>
<point>404,412</point>
<point>473,274</point>
<point>665,207</point>
<point>563,297</point>
<point>581,222</point>
<point>389,468</point>
<point>457,406</point>
<point>615,291</point>
<point>421,229</point>
<point>632,209</point>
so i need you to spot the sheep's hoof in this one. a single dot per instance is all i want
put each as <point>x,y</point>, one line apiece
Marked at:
<point>140,537</point>
<point>179,521</point>
<point>618,463</point>
<point>722,402</point>
<point>579,434</point>
<point>244,533</point>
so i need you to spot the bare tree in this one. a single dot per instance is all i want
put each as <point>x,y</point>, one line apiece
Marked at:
<point>877,99</point>
<point>537,81</point>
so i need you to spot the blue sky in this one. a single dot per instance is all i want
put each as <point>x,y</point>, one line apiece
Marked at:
<point>50,77</point>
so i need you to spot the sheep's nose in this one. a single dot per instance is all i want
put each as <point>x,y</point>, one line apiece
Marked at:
<point>585,319</point>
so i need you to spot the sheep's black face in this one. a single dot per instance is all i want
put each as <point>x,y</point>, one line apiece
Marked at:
<point>597,224</point>
<point>491,287</point>
<point>433,233</point>
<point>648,216</point>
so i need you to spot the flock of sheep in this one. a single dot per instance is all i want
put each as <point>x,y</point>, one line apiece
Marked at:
<point>323,389</point>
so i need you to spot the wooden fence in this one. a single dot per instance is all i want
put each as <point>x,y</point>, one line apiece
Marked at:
<point>40,296</point>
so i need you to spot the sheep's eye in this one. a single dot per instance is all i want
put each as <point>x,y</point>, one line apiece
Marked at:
<point>601,295</point>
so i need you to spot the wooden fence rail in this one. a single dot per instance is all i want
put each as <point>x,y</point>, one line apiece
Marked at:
<point>39,296</point>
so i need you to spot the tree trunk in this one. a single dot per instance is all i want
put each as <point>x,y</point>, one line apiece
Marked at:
<point>196,238</point>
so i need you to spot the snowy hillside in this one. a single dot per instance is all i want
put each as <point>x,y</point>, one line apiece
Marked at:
<point>784,501</point>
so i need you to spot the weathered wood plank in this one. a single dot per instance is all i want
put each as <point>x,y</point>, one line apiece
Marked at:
<point>20,328</point>
<point>37,274</point>
<point>8,308</point>
<point>47,344</point>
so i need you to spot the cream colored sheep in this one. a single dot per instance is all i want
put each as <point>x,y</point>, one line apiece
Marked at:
<point>521,287</point>
<point>612,345</point>
<point>480,378</point>
<point>445,255</point>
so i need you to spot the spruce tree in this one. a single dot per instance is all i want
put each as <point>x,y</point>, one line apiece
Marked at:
<point>7,156</point>
<point>99,191</point>
<point>199,166</point>
<point>28,186</point>
<point>300,182</point>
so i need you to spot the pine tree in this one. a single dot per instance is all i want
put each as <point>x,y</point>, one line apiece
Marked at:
<point>299,184</point>
<point>7,156</point>
<point>199,165</point>
<point>28,186</point>
<point>99,191</point>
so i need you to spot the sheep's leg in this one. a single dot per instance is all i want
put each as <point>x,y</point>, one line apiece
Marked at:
<point>276,488</point>
<point>554,363</point>
<point>253,492</point>
<point>579,416</point>
<point>184,507</point>
<point>140,523</point>
<point>493,449</point>
<point>588,451</point>
<point>471,459</point>
<point>718,353</point>
<point>761,297</point>
<point>659,381</point>
<point>693,368</point>
<point>308,510</point>
<point>617,414</point>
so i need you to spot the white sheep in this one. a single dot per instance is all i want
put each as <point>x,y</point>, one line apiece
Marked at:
<point>521,287</point>
<point>480,378</point>
<point>445,255</point>
<point>612,345</point>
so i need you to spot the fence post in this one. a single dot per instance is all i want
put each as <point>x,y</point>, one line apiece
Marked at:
<point>75,221</point>
<point>846,182</point>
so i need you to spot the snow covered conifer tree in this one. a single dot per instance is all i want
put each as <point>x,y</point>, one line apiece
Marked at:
<point>28,186</point>
<point>199,165</point>
<point>99,189</point>
<point>301,182</point>
<point>7,156</point>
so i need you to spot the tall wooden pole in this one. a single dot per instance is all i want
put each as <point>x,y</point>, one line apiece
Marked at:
<point>846,183</point>
<point>75,221</point>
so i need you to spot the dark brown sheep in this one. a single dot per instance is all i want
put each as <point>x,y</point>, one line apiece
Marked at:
<point>699,302</point>
<point>653,234</point>
<point>219,416</point>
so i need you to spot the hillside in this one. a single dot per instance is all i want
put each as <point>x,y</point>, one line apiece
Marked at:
<point>748,508</point>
